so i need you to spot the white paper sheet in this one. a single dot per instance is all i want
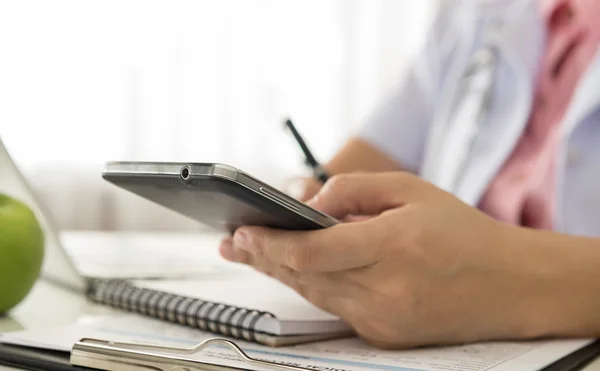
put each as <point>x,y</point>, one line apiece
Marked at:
<point>342,355</point>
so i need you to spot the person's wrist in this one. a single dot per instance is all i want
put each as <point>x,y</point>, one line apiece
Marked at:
<point>520,285</point>
<point>535,275</point>
<point>554,285</point>
<point>505,283</point>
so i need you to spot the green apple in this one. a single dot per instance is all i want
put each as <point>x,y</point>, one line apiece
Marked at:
<point>21,251</point>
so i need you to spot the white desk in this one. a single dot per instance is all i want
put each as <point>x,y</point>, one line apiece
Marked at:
<point>51,305</point>
<point>48,305</point>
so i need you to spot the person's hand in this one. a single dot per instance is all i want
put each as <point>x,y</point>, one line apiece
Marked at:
<point>303,189</point>
<point>427,269</point>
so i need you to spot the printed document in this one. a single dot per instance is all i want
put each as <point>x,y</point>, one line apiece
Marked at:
<point>334,355</point>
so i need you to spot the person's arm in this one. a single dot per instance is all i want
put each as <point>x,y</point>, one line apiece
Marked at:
<point>564,291</point>
<point>359,155</point>
<point>356,155</point>
<point>427,269</point>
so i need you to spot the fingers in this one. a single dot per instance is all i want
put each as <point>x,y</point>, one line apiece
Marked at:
<point>343,282</point>
<point>302,188</point>
<point>357,218</point>
<point>318,289</point>
<point>337,248</point>
<point>228,252</point>
<point>343,246</point>
<point>368,193</point>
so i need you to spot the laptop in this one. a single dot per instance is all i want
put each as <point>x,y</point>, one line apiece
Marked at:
<point>75,259</point>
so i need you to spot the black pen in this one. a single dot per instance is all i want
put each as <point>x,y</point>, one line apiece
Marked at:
<point>318,171</point>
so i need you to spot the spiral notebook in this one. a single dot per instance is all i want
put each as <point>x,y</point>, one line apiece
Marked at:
<point>244,305</point>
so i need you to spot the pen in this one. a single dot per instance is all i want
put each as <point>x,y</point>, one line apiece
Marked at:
<point>318,171</point>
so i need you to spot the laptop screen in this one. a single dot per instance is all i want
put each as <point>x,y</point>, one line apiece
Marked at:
<point>57,265</point>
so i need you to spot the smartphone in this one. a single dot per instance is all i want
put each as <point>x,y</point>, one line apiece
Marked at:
<point>217,195</point>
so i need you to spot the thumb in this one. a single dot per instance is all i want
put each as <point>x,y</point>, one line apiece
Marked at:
<point>368,193</point>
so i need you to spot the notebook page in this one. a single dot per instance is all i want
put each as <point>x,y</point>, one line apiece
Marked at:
<point>246,288</point>
<point>341,355</point>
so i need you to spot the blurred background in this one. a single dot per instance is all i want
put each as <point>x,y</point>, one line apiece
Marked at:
<point>84,82</point>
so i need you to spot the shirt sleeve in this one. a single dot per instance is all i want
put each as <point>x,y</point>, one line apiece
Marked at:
<point>400,125</point>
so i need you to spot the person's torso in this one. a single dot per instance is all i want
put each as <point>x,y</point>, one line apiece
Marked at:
<point>518,40</point>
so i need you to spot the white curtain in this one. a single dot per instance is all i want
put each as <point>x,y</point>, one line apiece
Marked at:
<point>84,82</point>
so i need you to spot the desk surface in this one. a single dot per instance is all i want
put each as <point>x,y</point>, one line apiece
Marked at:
<point>67,308</point>
<point>35,311</point>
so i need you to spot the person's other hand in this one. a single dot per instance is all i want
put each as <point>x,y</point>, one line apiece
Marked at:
<point>427,269</point>
<point>303,189</point>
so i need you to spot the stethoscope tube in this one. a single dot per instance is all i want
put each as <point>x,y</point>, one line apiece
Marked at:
<point>469,98</point>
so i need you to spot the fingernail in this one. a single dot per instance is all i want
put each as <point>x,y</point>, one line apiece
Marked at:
<point>243,241</point>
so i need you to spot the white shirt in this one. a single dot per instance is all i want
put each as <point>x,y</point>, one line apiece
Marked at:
<point>414,124</point>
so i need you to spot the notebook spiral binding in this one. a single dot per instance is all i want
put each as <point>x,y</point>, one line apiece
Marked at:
<point>209,316</point>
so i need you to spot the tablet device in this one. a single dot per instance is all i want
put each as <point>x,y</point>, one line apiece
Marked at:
<point>217,195</point>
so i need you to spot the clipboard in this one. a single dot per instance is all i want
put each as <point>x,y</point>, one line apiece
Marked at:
<point>121,356</point>
<point>89,354</point>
